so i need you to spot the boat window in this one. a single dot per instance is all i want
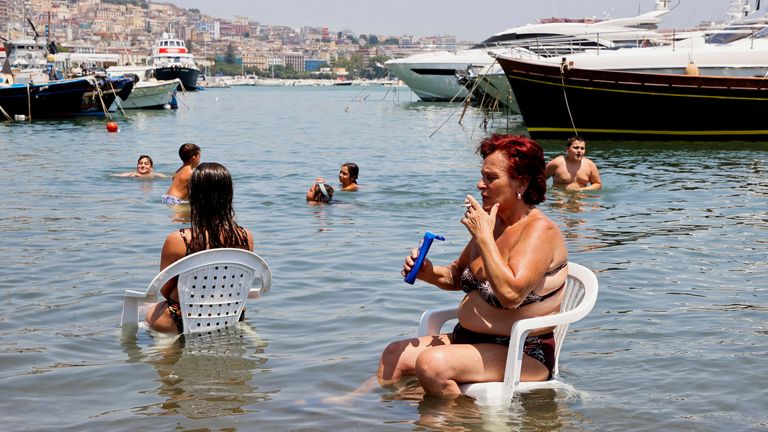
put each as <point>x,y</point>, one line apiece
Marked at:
<point>730,34</point>
<point>762,33</point>
<point>512,37</point>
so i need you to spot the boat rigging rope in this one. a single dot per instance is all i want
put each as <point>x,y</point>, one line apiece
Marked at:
<point>565,96</point>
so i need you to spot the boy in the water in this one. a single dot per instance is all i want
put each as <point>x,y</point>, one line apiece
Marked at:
<point>178,193</point>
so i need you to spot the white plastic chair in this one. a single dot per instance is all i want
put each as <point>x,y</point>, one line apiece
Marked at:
<point>213,287</point>
<point>579,299</point>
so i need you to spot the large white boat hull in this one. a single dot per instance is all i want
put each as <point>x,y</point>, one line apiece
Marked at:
<point>151,94</point>
<point>432,76</point>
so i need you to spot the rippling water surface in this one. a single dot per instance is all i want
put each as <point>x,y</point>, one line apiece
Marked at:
<point>677,238</point>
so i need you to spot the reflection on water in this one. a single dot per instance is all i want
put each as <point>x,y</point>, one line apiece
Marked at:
<point>568,207</point>
<point>542,409</point>
<point>202,376</point>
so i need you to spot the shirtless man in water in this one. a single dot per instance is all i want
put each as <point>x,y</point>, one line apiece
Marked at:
<point>574,171</point>
<point>178,193</point>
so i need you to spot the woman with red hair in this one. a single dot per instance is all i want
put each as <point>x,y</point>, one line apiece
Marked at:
<point>514,267</point>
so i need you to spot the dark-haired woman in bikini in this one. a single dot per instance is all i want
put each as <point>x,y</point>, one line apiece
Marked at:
<point>213,226</point>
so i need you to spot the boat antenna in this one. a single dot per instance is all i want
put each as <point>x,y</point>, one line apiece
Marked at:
<point>33,29</point>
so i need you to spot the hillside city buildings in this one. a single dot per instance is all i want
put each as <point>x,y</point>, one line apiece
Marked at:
<point>127,29</point>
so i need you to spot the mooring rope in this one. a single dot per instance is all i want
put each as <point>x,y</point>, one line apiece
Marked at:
<point>117,101</point>
<point>5,114</point>
<point>183,91</point>
<point>103,105</point>
<point>565,96</point>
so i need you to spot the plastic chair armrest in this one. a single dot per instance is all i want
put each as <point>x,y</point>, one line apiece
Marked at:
<point>137,294</point>
<point>432,320</point>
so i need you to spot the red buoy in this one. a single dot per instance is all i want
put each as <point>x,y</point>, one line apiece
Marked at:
<point>112,127</point>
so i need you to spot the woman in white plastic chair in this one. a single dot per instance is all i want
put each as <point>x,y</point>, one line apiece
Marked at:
<point>212,226</point>
<point>514,267</point>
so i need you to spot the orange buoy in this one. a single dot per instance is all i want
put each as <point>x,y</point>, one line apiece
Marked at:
<point>112,127</point>
<point>691,69</point>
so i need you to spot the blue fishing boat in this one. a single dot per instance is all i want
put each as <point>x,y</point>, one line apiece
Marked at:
<point>51,99</point>
<point>63,98</point>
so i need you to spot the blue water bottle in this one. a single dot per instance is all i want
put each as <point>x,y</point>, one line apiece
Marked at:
<point>426,242</point>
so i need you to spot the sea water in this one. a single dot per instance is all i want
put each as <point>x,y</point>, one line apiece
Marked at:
<point>677,238</point>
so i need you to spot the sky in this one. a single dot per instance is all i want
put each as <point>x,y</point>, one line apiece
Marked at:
<point>467,20</point>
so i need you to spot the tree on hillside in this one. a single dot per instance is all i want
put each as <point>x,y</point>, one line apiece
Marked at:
<point>373,40</point>
<point>376,66</point>
<point>230,57</point>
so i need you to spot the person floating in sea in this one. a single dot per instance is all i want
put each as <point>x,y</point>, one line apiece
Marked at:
<point>144,169</point>
<point>320,191</point>
<point>178,191</point>
<point>514,267</point>
<point>348,176</point>
<point>574,171</point>
<point>213,226</point>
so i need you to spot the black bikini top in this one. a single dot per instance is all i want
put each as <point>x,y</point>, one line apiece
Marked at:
<point>469,283</point>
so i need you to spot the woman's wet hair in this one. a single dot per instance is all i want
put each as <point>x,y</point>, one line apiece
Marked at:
<point>212,215</point>
<point>525,159</point>
<point>353,170</point>
<point>151,164</point>
<point>319,196</point>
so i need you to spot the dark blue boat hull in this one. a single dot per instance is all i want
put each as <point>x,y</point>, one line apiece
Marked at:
<point>188,76</point>
<point>54,99</point>
<point>558,102</point>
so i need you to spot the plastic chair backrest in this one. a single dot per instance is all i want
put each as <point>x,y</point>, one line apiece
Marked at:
<point>579,298</point>
<point>574,294</point>
<point>212,296</point>
<point>213,286</point>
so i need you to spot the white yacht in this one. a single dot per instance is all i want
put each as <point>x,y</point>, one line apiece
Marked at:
<point>171,59</point>
<point>737,49</point>
<point>432,76</point>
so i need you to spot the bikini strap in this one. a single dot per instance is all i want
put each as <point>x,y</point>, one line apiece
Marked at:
<point>551,293</point>
<point>556,269</point>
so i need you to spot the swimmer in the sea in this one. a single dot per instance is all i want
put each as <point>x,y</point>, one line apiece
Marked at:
<point>320,192</point>
<point>178,193</point>
<point>144,169</point>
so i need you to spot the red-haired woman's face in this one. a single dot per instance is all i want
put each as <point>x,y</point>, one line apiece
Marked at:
<point>495,185</point>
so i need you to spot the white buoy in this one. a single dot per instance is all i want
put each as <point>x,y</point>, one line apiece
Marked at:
<point>167,106</point>
<point>20,117</point>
